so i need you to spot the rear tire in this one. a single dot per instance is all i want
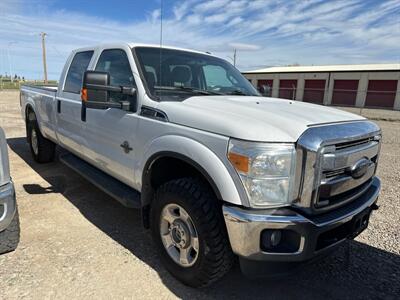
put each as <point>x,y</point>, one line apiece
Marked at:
<point>42,149</point>
<point>192,200</point>
<point>9,238</point>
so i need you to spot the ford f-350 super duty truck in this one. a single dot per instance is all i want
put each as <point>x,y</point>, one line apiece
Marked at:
<point>216,169</point>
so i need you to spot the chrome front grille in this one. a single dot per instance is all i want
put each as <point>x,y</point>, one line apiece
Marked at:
<point>338,184</point>
<point>340,146</point>
<point>337,165</point>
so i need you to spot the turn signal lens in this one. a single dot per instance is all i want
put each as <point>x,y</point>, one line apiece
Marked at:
<point>84,94</point>
<point>240,162</point>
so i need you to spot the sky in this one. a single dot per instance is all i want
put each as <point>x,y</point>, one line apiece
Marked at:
<point>264,32</point>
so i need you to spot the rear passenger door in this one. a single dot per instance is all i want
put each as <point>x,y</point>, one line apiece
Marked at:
<point>68,103</point>
<point>106,130</point>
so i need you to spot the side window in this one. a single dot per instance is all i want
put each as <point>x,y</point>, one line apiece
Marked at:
<point>116,63</point>
<point>79,64</point>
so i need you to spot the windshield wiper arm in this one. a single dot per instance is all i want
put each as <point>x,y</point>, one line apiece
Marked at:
<point>186,88</point>
<point>238,92</point>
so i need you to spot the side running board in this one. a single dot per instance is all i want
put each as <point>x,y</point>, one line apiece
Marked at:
<point>126,195</point>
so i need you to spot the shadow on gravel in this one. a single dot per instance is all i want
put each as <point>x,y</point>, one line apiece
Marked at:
<point>355,271</point>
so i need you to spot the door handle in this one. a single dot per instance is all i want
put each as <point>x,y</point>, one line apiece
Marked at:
<point>58,106</point>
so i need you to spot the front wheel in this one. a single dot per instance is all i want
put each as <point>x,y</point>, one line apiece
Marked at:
<point>189,231</point>
<point>9,238</point>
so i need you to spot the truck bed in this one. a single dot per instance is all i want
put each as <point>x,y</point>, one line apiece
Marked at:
<point>46,90</point>
<point>42,100</point>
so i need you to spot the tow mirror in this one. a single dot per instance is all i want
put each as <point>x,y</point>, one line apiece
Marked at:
<point>96,90</point>
<point>94,87</point>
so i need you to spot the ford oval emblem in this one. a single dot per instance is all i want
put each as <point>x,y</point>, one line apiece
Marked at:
<point>360,168</point>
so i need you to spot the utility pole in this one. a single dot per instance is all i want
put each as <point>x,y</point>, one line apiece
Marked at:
<point>9,62</point>
<point>43,35</point>
<point>233,58</point>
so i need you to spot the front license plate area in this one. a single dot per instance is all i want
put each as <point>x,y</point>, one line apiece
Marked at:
<point>360,222</point>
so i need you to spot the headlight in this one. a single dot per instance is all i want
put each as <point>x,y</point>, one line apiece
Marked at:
<point>266,170</point>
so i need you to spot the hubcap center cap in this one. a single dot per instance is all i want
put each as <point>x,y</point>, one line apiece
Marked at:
<point>180,234</point>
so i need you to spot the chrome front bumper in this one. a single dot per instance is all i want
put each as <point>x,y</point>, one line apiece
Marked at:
<point>7,205</point>
<point>245,228</point>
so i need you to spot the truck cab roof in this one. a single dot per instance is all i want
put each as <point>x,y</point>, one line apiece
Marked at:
<point>134,45</point>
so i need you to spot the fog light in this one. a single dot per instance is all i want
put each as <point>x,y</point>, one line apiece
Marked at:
<point>271,238</point>
<point>280,241</point>
<point>276,238</point>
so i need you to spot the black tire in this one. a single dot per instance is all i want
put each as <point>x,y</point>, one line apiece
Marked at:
<point>215,256</point>
<point>9,238</point>
<point>45,148</point>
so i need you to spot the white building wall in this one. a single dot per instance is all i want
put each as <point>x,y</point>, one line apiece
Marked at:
<point>397,99</point>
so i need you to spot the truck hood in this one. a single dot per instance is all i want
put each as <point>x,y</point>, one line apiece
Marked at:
<point>252,118</point>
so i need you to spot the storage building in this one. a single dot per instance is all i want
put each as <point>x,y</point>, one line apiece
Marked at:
<point>373,86</point>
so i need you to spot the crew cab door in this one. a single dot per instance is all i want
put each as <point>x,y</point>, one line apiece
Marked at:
<point>110,132</point>
<point>68,103</point>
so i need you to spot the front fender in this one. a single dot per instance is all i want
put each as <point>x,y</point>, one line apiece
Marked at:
<point>203,157</point>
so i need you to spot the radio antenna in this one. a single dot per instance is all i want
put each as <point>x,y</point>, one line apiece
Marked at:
<point>161,38</point>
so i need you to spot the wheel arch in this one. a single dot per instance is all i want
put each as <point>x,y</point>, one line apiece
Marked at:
<point>30,115</point>
<point>179,155</point>
<point>29,109</point>
<point>168,158</point>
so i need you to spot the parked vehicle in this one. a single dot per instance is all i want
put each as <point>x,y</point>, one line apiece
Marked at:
<point>215,168</point>
<point>9,220</point>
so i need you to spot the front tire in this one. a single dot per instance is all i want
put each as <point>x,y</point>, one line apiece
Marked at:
<point>42,149</point>
<point>190,233</point>
<point>9,238</point>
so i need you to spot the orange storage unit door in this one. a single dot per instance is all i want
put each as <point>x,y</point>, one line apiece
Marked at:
<point>381,93</point>
<point>314,91</point>
<point>345,92</point>
<point>287,89</point>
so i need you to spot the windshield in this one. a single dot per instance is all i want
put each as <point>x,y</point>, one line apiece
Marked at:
<point>174,75</point>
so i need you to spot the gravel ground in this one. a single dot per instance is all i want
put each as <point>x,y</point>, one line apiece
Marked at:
<point>375,114</point>
<point>76,242</point>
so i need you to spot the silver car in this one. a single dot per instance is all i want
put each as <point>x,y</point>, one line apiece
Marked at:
<point>9,220</point>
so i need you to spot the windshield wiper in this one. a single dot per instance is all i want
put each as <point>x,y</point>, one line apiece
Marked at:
<point>237,92</point>
<point>187,89</point>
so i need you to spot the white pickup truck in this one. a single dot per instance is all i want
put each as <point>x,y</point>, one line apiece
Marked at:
<point>9,220</point>
<point>215,168</point>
